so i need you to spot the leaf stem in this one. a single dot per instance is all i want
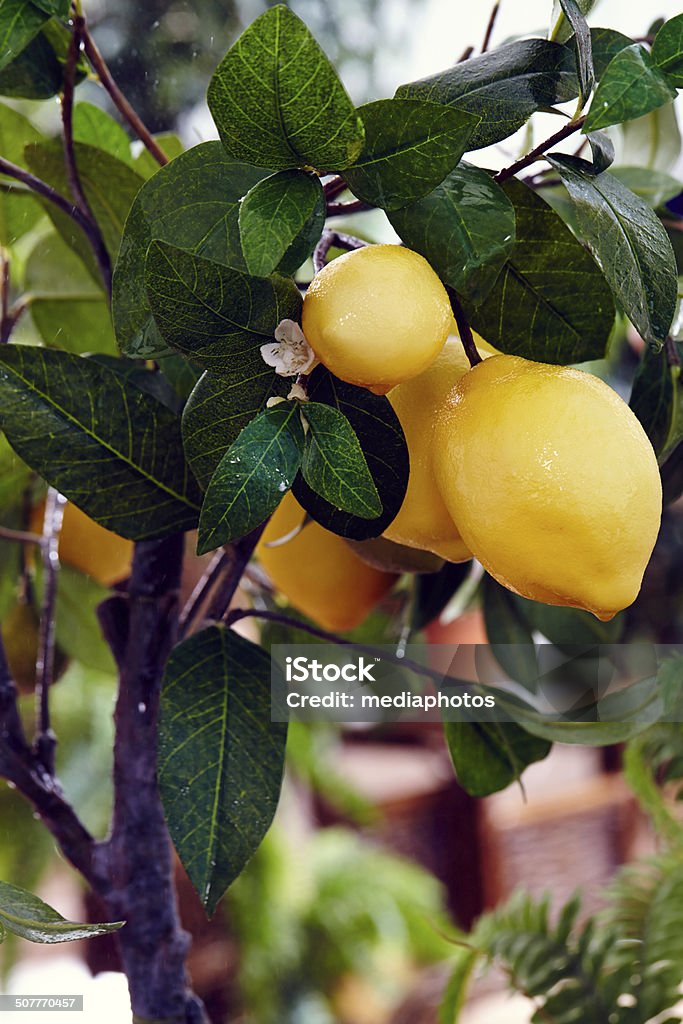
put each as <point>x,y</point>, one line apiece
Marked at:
<point>539,151</point>
<point>218,563</point>
<point>45,740</point>
<point>5,326</point>
<point>240,556</point>
<point>99,65</point>
<point>20,536</point>
<point>464,329</point>
<point>329,239</point>
<point>490,27</point>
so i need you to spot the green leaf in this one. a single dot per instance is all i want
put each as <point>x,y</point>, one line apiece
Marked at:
<point>170,144</point>
<point>465,228</point>
<point>109,447</point>
<point>583,45</point>
<point>653,397</point>
<point>25,915</point>
<point>221,757</point>
<point>606,43</point>
<point>20,21</point>
<point>281,219</point>
<point>60,8</point>
<point>96,127</point>
<point>377,427</point>
<point>550,302</point>
<point>68,307</point>
<point>333,463</point>
<point>672,475</point>
<point>655,187</point>
<point>455,992</point>
<point>602,151</point>
<point>18,213</point>
<point>35,74</point>
<point>109,185</point>
<point>14,477</point>
<point>433,591</point>
<point>667,50</point>
<point>509,634</point>
<point>630,244</point>
<point>631,87</point>
<point>562,29</point>
<point>77,629</point>
<point>489,756</point>
<point>569,628</point>
<point>504,87</point>
<point>278,102</point>
<point>252,477</point>
<point>213,313</point>
<point>193,203</point>
<point>219,407</point>
<point>410,146</point>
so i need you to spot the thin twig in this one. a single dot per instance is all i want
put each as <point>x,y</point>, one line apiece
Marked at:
<point>218,563</point>
<point>490,27</point>
<point>539,151</point>
<point>45,740</point>
<point>334,187</point>
<point>344,209</point>
<point>5,328</point>
<point>673,225</point>
<point>123,106</point>
<point>329,239</point>
<point>241,553</point>
<point>464,329</point>
<point>465,55</point>
<point>20,536</point>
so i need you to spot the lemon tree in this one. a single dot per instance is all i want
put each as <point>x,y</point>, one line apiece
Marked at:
<point>306,374</point>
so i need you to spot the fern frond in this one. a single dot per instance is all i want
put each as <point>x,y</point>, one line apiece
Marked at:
<point>653,767</point>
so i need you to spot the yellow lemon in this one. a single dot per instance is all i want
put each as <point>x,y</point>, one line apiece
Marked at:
<point>376,316</point>
<point>318,572</point>
<point>552,482</point>
<point>423,521</point>
<point>88,547</point>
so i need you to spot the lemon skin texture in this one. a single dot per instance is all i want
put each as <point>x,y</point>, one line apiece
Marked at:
<point>318,572</point>
<point>552,482</point>
<point>89,547</point>
<point>423,521</point>
<point>376,316</point>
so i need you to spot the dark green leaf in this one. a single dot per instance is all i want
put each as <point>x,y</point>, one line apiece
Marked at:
<point>655,187</point>
<point>20,21</point>
<point>281,219</point>
<point>27,916</point>
<point>213,313</point>
<point>631,87</point>
<point>193,203</point>
<point>410,146</point>
<point>96,127</point>
<point>653,397</point>
<point>488,756</point>
<point>602,150</point>
<point>583,45</point>
<point>170,144</point>
<point>35,74</point>
<point>152,382</point>
<point>252,477</point>
<point>277,100</point>
<point>509,634</point>
<point>180,373</point>
<point>667,50</point>
<point>18,213</point>
<point>504,87</point>
<point>220,756</point>
<point>60,8</point>
<point>68,307</point>
<point>562,29</point>
<point>606,43</point>
<point>333,463</point>
<point>433,591</point>
<point>569,627</point>
<point>14,477</point>
<point>465,228</point>
<point>221,406</point>
<point>550,302</point>
<point>629,243</point>
<point>377,427</point>
<point>106,445</point>
<point>672,475</point>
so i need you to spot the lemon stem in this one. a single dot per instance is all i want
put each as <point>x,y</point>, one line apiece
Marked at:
<point>464,329</point>
<point>333,238</point>
<point>539,151</point>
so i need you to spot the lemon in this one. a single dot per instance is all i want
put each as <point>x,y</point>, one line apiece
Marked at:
<point>376,316</point>
<point>318,572</point>
<point>423,521</point>
<point>552,482</point>
<point>89,547</point>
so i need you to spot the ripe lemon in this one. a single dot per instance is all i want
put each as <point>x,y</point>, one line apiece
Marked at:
<point>318,572</point>
<point>423,521</point>
<point>88,547</point>
<point>552,482</point>
<point>376,316</point>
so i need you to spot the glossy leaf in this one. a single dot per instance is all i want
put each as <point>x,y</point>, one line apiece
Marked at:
<point>252,477</point>
<point>489,756</point>
<point>631,87</point>
<point>602,151</point>
<point>629,243</point>
<point>606,43</point>
<point>170,144</point>
<point>27,916</point>
<point>582,44</point>
<point>68,307</point>
<point>20,22</point>
<point>60,8</point>
<point>106,445</point>
<point>213,313</point>
<point>281,219</point>
<point>219,407</point>
<point>433,591</point>
<point>221,757</point>
<point>18,213</point>
<point>410,146</point>
<point>193,203</point>
<point>504,87</point>
<point>96,127</point>
<point>550,302</point>
<point>35,74</point>
<point>377,427</point>
<point>562,28</point>
<point>465,228</point>
<point>655,187</point>
<point>333,463</point>
<point>672,475</point>
<point>569,628</point>
<point>278,102</point>
<point>667,50</point>
<point>653,397</point>
<point>509,634</point>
